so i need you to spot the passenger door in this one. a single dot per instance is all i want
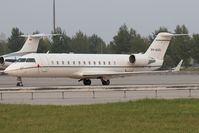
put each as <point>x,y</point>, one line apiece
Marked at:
<point>43,64</point>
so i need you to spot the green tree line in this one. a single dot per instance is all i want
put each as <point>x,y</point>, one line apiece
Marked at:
<point>126,41</point>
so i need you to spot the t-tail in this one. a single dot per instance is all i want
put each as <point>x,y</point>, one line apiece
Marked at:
<point>160,44</point>
<point>32,42</point>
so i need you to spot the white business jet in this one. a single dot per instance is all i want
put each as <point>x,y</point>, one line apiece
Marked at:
<point>93,66</point>
<point>30,46</point>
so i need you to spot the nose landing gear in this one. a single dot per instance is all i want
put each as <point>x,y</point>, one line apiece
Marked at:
<point>19,82</point>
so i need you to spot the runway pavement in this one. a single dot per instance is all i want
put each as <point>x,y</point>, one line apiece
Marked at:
<point>70,92</point>
<point>181,78</point>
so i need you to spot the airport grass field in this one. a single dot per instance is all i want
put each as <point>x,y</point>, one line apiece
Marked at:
<point>144,116</point>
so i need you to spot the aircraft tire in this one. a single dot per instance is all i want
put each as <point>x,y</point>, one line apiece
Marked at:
<point>87,82</point>
<point>105,82</point>
<point>19,84</point>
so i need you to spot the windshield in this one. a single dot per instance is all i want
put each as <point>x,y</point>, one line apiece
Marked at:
<point>21,60</point>
<point>26,60</point>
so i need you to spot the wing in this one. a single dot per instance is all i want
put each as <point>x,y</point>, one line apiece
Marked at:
<point>109,74</point>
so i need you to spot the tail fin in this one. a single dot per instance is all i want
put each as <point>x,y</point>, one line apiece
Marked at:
<point>32,42</point>
<point>159,46</point>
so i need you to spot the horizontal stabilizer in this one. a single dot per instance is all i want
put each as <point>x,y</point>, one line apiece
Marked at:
<point>40,35</point>
<point>180,35</point>
<point>165,34</point>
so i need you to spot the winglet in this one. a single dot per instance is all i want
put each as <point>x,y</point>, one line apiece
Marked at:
<point>177,68</point>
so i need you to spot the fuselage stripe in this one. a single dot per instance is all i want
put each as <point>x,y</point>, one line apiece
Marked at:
<point>92,67</point>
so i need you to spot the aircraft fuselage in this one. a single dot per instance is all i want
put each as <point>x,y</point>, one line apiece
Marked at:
<point>73,65</point>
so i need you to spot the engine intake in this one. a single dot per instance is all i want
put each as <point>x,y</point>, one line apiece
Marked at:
<point>132,59</point>
<point>1,60</point>
<point>139,59</point>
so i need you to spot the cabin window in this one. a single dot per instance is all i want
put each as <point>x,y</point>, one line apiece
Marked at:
<point>109,63</point>
<point>84,62</point>
<point>52,62</point>
<point>79,62</point>
<point>21,60</point>
<point>73,62</point>
<point>99,63</point>
<point>62,62</point>
<point>104,63</point>
<point>114,62</point>
<point>30,60</point>
<point>68,62</point>
<point>94,62</point>
<point>57,62</point>
<point>89,62</point>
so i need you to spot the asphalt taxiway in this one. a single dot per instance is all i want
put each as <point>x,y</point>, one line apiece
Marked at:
<point>146,79</point>
<point>61,91</point>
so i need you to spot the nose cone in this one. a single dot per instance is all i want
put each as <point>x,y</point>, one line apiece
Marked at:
<point>11,70</point>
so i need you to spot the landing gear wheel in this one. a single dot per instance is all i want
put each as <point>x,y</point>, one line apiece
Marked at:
<point>105,82</point>
<point>19,82</point>
<point>87,82</point>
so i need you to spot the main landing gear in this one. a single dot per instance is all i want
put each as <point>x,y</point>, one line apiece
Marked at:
<point>87,82</point>
<point>19,82</point>
<point>105,82</point>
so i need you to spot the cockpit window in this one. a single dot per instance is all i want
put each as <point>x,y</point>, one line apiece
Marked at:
<point>21,60</point>
<point>10,60</point>
<point>30,60</point>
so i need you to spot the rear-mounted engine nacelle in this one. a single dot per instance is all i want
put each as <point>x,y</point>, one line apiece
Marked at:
<point>140,60</point>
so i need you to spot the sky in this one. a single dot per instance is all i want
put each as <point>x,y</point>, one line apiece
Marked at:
<point>101,17</point>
